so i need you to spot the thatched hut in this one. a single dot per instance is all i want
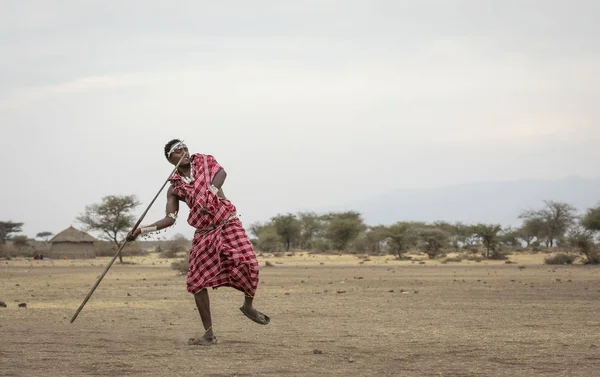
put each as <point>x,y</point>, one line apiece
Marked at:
<point>72,243</point>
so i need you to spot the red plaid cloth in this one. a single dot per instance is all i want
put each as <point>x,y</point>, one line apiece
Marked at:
<point>221,253</point>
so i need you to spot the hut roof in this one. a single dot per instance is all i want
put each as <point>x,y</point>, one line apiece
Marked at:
<point>72,235</point>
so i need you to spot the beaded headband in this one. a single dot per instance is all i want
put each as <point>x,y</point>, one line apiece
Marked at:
<point>175,147</point>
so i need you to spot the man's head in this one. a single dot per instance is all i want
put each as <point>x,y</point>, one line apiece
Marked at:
<point>174,150</point>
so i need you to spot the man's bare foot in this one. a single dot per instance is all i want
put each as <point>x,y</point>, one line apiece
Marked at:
<point>205,340</point>
<point>255,315</point>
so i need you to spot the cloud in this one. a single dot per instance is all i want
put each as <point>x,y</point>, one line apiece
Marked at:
<point>475,96</point>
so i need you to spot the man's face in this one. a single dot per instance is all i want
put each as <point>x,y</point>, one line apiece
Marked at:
<point>178,150</point>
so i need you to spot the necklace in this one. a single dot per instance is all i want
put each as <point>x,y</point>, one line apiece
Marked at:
<point>189,179</point>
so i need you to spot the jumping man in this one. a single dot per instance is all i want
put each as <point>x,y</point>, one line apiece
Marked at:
<point>221,253</point>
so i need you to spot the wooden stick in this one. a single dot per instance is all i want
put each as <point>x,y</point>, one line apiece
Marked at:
<point>124,243</point>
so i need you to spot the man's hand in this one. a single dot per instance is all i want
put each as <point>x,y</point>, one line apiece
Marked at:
<point>133,235</point>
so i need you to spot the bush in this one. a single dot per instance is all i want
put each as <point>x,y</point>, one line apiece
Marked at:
<point>457,258</point>
<point>173,248</point>
<point>182,266</point>
<point>4,253</point>
<point>592,258</point>
<point>473,257</point>
<point>169,253</point>
<point>106,249</point>
<point>136,252</point>
<point>497,255</point>
<point>560,258</point>
<point>10,250</point>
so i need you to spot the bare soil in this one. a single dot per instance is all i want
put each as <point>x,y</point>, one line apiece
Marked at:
<point>390,318</point>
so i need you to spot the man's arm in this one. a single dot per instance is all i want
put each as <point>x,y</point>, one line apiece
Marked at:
<point>172,209</point>
<point>218,182</point>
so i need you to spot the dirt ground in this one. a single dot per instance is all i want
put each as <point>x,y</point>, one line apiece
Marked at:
<point>331,316</point>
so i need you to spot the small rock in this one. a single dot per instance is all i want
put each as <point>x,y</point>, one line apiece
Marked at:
<point>302,282</point>
<point>22,305</point>
<point>17,285</point>
<point>351,360</point>
<point>317,352</point>
<point>3,304</point>
<point>593,346</point>
<point>340,292</point>
<point>128,294</point>
<point>287,293</point>
<point>359,278</point>
<point>391,291</point>
<point>322,263</point>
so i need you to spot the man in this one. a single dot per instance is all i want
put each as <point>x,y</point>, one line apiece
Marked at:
<point>221,253</point>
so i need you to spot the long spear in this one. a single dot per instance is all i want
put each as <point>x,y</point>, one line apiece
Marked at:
<point>125,242</point>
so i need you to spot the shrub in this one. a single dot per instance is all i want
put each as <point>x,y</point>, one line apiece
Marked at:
<point>473,257</point>
<point>592,257</point>
<point>181,266</point>
<point>136,252</point>
<point>560,258</point>
<point>457,258</point>
<point>497,255</point>
<point>169,253</point>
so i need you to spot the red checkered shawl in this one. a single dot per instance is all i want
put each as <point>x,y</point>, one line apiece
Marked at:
<point>221,253</point>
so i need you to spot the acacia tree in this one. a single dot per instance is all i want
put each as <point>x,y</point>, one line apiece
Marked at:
<point>268,239</point>
<point>44,235</point>
<point>374,237</point>
<point>112,218</point>
<point>7,228</point>
<point>511,237</point>
<point>343,228</point>
<point>433,240</point>
<point>312,226</point>
<point>532,229</point>
<point>402,236</point>
<point>288,228</point>
<point>20,242</point>
<point>458,233</point>
<point>591,220</point>
<point>490,238</point>
<point>556,217</point>
<point>582,238</point>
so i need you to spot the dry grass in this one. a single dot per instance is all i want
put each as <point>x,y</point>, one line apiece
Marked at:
<point>393,318</point>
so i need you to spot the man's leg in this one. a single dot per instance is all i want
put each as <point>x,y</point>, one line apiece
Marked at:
<point>249,310</point>
<point>203,305</point>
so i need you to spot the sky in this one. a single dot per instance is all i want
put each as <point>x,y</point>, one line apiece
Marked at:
<point>306,104</point>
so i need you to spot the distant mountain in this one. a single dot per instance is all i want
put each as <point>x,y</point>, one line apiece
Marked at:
<point>489,202</point>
